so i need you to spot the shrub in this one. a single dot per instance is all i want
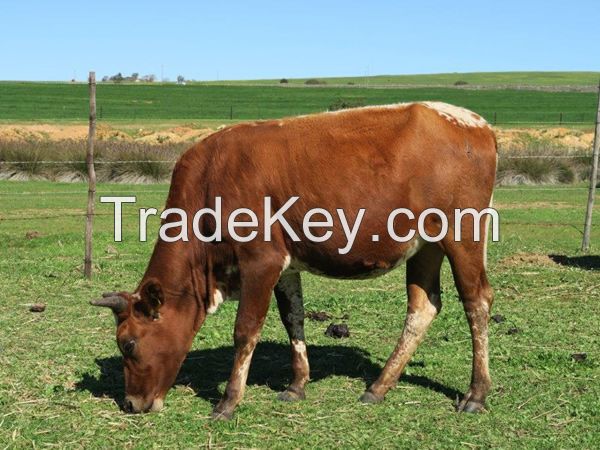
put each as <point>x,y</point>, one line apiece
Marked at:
<point>531,161</point>
<point>460,83</point>
<point>314,82</point>
<point>116,161</point>
<point>283,81</point>
<point>342,103</point>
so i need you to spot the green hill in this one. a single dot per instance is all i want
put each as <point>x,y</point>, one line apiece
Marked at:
<point>450,79</point>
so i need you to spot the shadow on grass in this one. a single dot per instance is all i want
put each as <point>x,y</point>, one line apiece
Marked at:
<point>588,262</point>
<point>205,370</point>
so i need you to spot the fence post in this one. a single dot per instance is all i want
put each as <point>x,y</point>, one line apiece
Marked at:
<point>231,112</point>
<point>495,117</point>
<point>587,230</point>
<point>89,220</point>
<point>560,119</point>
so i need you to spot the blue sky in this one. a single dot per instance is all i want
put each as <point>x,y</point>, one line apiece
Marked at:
<point>53,40</point>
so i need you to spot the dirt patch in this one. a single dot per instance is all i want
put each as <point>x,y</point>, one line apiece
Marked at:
<point>173,135</point>
<point>520,139</point>
<point>318,316</point>
<point>531,259</point>
<point>508,139</point>
<point>104,132</point>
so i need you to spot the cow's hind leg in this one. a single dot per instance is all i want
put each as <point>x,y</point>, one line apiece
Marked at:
<point>424,303</point>
<point>288,292</point>
<point>476,295</point>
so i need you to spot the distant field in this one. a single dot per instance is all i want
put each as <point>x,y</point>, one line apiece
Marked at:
<point>474,78</point>
<point>143,103</point>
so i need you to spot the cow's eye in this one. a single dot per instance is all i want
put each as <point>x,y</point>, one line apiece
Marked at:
<point>128,347</point>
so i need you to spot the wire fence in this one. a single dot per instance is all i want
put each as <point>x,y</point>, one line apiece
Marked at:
<point>139,190</point>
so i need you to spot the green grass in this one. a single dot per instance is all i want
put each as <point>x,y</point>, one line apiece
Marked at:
<point>60,370</point>
<point>475,78</point>
<point>55,102</point>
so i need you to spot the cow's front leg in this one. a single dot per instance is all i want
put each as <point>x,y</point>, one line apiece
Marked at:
<point>257,282</point>
<point>288,292</point>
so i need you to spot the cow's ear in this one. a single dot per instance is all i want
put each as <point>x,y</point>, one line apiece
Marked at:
<point>151,299</point>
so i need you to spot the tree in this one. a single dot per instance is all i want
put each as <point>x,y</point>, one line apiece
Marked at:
<point>134,76</point>
<point>180,79</point>
<point>117,78</point>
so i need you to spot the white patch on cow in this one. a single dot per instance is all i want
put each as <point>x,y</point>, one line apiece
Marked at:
<point>456,114</point>
<point>287,259</point>
<point>217,299</point>
<point>413,248</point>
<point>300,351</point>
<point>138,404</point>
<point>157,404</point>
<point>299,346</point>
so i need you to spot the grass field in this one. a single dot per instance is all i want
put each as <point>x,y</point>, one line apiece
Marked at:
<point>474,78</point>
<point>55,102</point>
<point>60,370</point>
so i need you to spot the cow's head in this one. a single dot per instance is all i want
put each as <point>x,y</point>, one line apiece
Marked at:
<point>155,330</point>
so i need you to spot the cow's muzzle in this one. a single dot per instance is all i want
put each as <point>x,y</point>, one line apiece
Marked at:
<point>135,405</point>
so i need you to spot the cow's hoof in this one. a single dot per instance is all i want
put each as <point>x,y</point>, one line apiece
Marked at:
<point>219,414</point>
<point>291,396</point>
<point>470,405</point>
<point>369,397</point>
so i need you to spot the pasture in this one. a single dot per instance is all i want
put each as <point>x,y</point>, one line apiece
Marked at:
<point>60,374</point>
<point>146,103</point>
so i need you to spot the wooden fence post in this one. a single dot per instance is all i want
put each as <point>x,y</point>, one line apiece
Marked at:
<point>587,230</point>
<point>89,221</point>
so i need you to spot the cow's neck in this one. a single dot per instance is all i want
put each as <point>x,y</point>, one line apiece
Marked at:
<point>180,268</point>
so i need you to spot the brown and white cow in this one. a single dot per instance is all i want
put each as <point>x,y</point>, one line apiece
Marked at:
<point>415,156</point>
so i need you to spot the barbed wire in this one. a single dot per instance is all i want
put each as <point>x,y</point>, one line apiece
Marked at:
<point>133,161</point>
<point>83,215</point>
<point>166,191</point>
<point>95,162</point>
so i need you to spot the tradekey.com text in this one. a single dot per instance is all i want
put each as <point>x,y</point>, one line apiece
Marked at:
<point>243,223</point>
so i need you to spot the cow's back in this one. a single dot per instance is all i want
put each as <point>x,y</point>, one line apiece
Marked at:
<point>346,156</point>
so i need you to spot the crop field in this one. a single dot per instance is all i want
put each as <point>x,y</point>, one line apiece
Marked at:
<point>144,103</point>
<point>60,372</point>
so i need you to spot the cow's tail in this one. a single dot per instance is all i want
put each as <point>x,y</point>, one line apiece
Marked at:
<point>491,205</point>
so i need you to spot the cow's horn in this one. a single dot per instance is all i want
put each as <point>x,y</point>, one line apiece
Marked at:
<point>115,302</point>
